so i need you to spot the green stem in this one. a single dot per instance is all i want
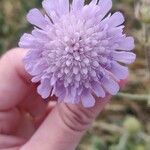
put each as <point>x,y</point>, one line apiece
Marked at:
<point>123,141</point>
<point>137,97</point>
<point>145,29</point>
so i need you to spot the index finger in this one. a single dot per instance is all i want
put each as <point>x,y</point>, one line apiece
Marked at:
<point>14,81</point>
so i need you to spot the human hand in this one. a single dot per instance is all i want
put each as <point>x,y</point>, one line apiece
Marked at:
<point>29,123</point>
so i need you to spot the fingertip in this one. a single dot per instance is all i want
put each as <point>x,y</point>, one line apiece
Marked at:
<point>15,58</point>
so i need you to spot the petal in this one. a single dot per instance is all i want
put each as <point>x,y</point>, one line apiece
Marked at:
<point>53,80</point>
<point>93,2</point>
<point>26,40</point>
<point>44,88</point>
<point>98,90</point>
<point>39,67</point>
<point>126,43</point>
<point>124,57</point>
<point>29,67</point>
<point>121,72</point>
<point>73,91</point>
<point>64,6</point>
<point>51,8</point>
<point>60,91</point>
<point>60,7</point>
<point>116,19</point>
<point>105,6</point>
<point>31,56</point>
<point>69,98</point>
<point>77,5</point>
<point>36,18</point>
<point>110,86</point>
<point>116,32</point>
<point>40,35</point>
<point>36,79</point>
<point>87,99</point>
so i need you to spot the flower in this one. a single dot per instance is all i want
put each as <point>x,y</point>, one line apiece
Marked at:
<point>132,124</point>
<point>74,50</point>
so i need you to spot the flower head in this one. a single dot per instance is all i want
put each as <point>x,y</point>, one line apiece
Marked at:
<point>74,50</point>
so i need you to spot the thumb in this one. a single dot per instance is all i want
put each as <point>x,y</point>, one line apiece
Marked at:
<point>64,126</point>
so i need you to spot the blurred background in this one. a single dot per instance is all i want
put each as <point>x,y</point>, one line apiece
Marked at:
<point>125,123</point>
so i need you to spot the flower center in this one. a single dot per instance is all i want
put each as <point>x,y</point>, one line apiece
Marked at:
<point>78,52</point>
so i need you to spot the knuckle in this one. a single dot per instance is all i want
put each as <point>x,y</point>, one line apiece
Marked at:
<point>10,53</point>
<point>76,117</point>
<point>9,56</point>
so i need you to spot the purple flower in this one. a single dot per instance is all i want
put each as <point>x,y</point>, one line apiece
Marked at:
<point>75,51</point>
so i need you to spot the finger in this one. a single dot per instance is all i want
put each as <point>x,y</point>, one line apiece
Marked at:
<point>57,133</point>
<point>66,125</point>
<point>16,86</point>
<point>50,107</point>
<point>30,122</point>
<point>12,148</point>
<point>9,121</point>
<point>14,80</point>
<point>7,141</point>
<point>34,105</point>
<point>26,127</point>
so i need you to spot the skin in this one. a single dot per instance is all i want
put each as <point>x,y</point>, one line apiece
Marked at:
<point>29,123</point>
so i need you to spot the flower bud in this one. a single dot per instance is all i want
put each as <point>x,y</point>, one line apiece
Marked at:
<point>145,13</point>
<point>132,125</point>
